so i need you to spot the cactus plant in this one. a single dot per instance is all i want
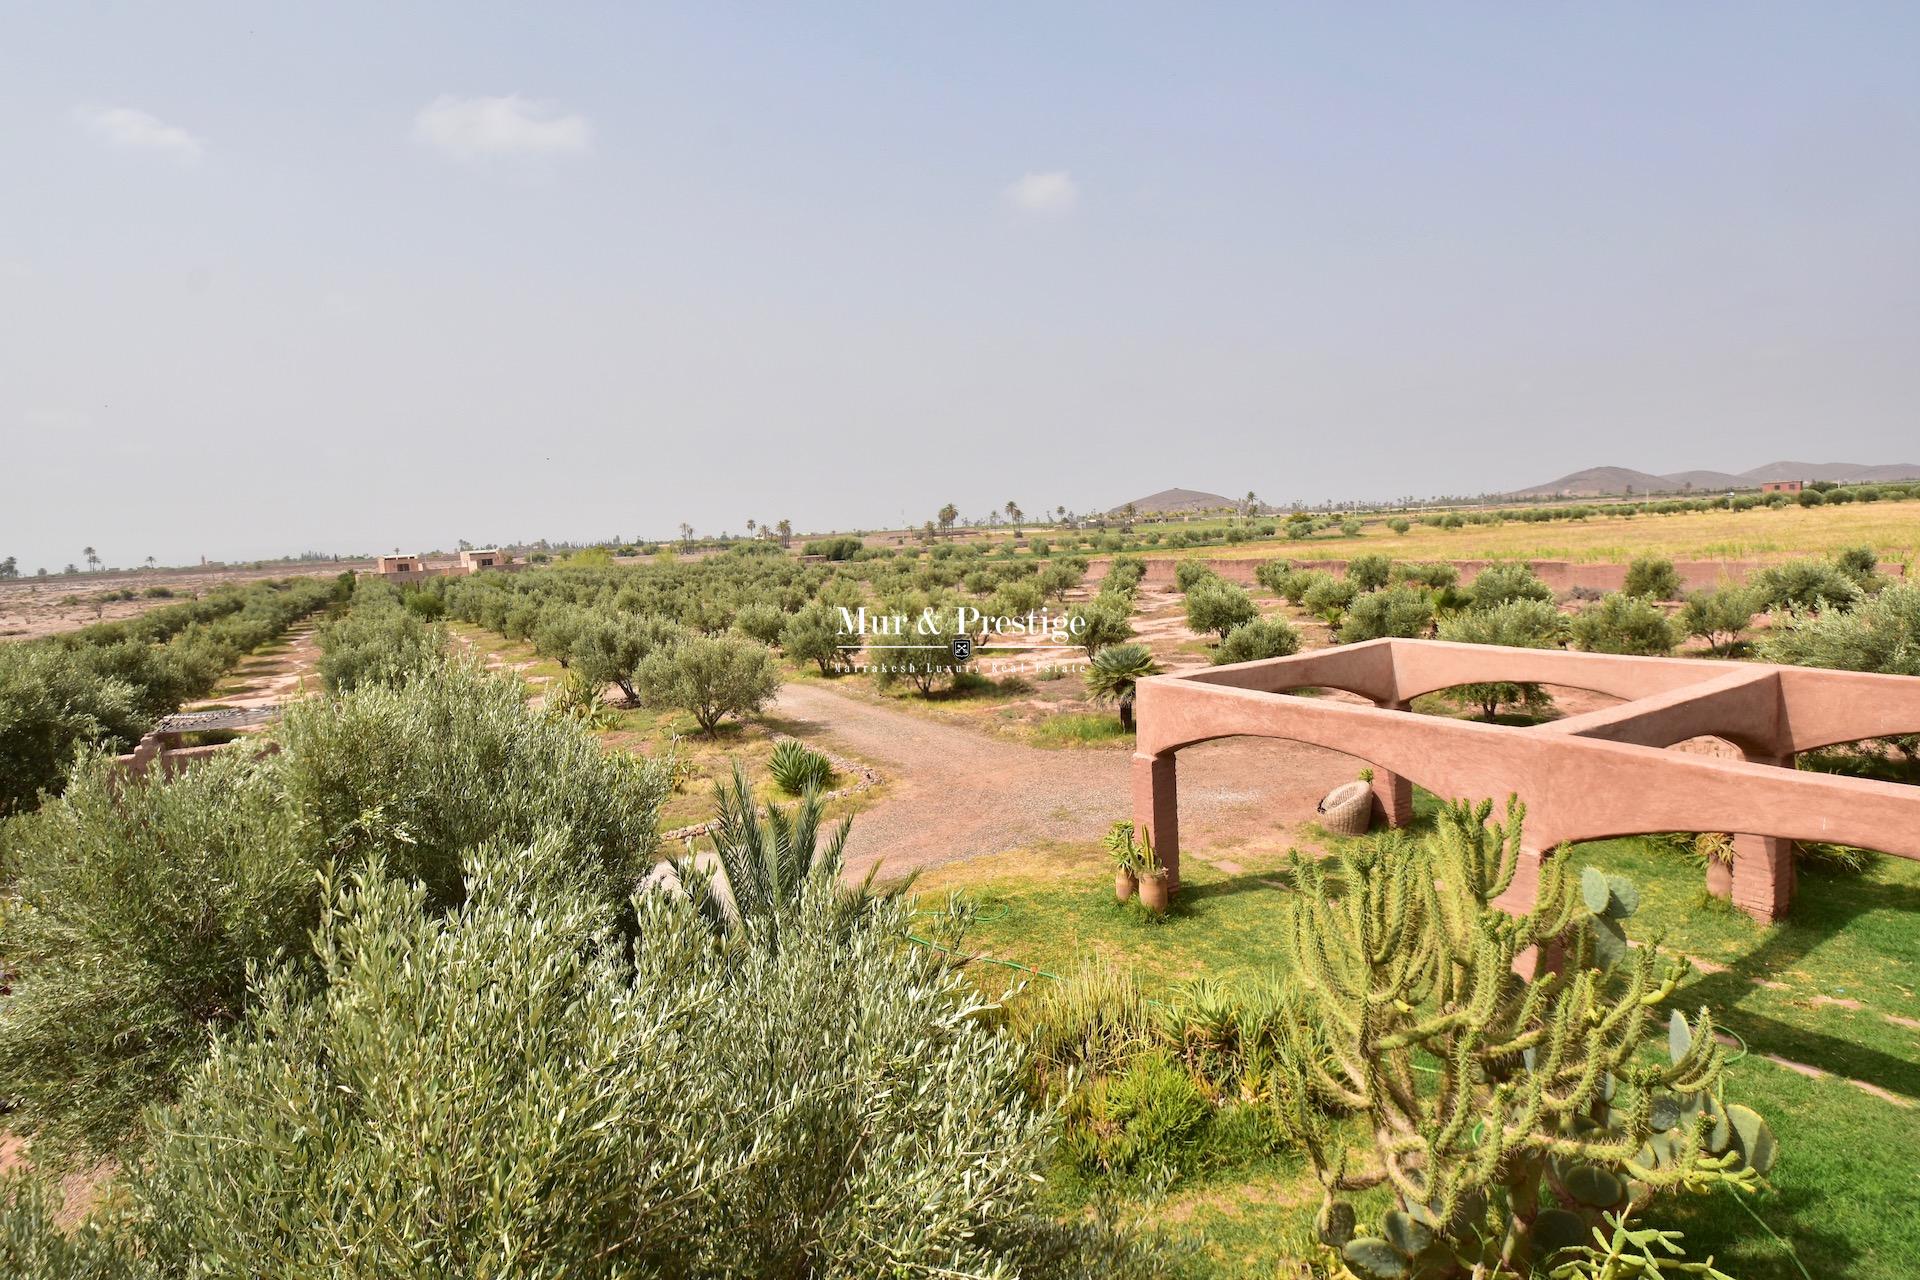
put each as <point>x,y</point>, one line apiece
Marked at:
<point>1543,1115</point>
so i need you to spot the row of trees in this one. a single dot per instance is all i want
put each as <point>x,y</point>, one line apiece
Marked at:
<point>104,686</point>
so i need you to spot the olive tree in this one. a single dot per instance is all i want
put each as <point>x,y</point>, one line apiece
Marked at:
<point>1720,617</point>
<point>817,634</point>
<point>1653,577</point>
<point>1218,606</point>
<point>1881,635</point>
<point>1621,623</point>
<point>713,677</point>
<point>1517,624</point>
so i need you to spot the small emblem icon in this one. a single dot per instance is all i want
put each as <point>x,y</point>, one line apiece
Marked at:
<point>962,647</point>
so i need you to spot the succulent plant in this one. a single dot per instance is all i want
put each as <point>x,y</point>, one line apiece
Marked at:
<point>1543,1117</point>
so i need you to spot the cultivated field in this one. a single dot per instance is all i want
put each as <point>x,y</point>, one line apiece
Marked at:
<point>523,749</point>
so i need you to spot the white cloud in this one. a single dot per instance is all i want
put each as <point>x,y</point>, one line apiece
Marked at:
<point>140,131</point>
<point>1054,193</point>
<point>469,128</point>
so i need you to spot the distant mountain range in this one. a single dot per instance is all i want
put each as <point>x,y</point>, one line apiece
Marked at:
<point>1598,481</point>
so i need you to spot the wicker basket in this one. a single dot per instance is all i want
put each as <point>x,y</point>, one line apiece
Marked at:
<point>1348,809</point>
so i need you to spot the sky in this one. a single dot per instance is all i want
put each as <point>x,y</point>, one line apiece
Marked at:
<point>350,277</point>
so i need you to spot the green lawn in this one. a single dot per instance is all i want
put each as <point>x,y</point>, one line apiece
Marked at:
<point>1822,990</point>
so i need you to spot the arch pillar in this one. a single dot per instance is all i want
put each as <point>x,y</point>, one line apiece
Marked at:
<point>1762,878</point>
<point>1156,809</point>
<point>1392,794</point>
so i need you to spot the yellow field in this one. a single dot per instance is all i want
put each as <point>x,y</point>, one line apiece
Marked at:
<point>1891,528</point>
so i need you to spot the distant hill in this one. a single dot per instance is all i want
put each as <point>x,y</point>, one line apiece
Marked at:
<point>1836,471</point>
<point>1619,481</point>
<point>1595,481</point>
<point>1178,502</point>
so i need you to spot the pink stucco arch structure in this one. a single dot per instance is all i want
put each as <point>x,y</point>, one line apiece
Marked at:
<point>1587,777</point>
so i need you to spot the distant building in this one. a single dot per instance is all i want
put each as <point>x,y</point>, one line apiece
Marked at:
<point>472,561</point>
<point>400,564</point>
<point>1782,486</point>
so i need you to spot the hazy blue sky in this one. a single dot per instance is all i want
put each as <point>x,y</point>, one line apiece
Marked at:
<point>367,275</point>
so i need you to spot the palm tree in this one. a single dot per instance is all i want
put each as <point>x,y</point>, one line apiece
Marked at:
<point>1113,673</point>
<point>948,514</point>
<point>686,533</point>
<point>763,867</point>
<point>784,529</point>
<point>752,524</point>
<point>149,562</point>
<point>1014,516</point>
<point>93,559</point>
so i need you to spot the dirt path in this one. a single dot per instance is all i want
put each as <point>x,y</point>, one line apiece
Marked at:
<point>954,793</point>
<point>269,679</point>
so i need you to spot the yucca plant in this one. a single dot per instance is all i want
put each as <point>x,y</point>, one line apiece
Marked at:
<point>796,767</point>
<point>1113,674</point>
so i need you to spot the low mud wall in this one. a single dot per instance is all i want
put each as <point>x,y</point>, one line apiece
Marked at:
<point>1561,575</point>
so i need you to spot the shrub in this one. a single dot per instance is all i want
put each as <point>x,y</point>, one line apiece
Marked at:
<point>1106,621</point>
<point>1142,1123</point>
<point>1190,573</point>
<point>1327,596</point>
<point>1624,624</point>
<point>832,548</point>
<point>1399,524</point>
<point>1219,606</point>
<point>1653,577</point>
<point>50,707</point>
<point>818,635</point>
<point>1091,1023</point>
<point>1518,624</point>
<point>1261,638</point>
<point>796,767</point>
<point>714,678</point>
<point>1507,580</point>
<point>1720,617</point>
<point>1405,612</point>
<point>1861,564</point>
<point>516,1088</point>
<point>148,904</point>
<point>1369,572</point>
<point>1803,585</point>
<point>1435,574</point>
<point>377,645</point>
<point>1350,528</point>
<point>762,622</point>
<point>1881,635</point>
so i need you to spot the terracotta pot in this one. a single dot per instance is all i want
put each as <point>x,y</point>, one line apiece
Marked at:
<point>1124,884</point>
<point>1154,892</point>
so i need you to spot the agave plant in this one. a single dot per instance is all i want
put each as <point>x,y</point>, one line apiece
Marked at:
<point>796,767</point>
<point>1113,673</point>
<point>759,866</point>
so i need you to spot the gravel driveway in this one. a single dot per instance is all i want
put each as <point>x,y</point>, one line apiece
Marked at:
<point>954,793</point>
